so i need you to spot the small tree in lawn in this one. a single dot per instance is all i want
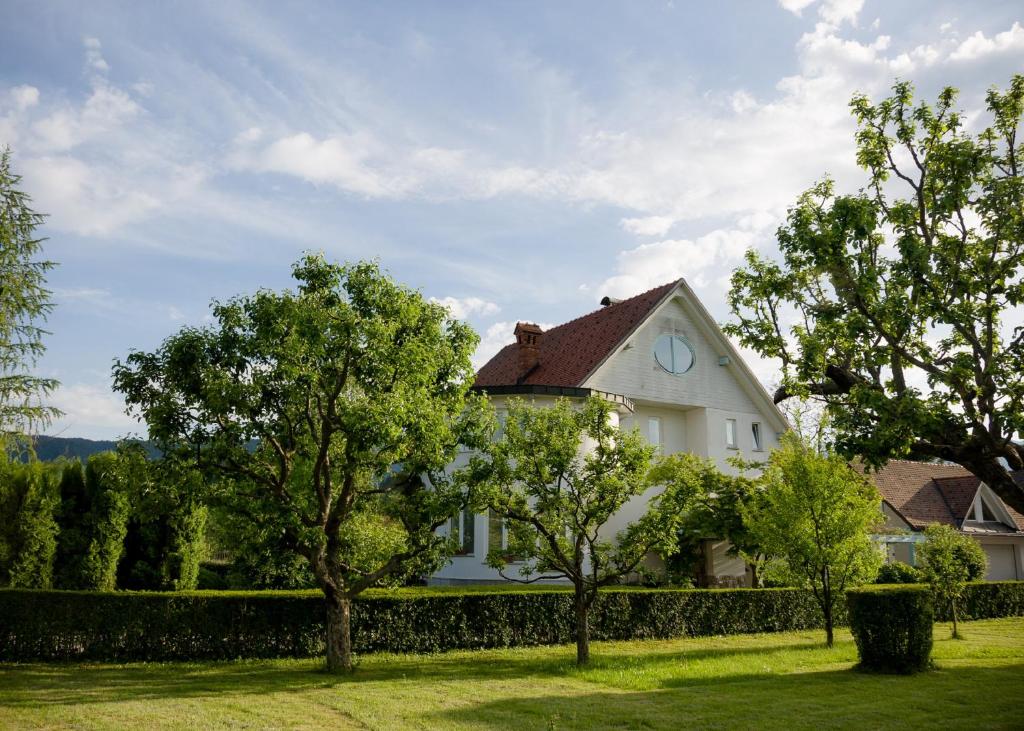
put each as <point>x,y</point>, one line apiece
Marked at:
<point>949,560</point>
<point>329,413</point>
<point>815,515</point>
<point>557,476</point>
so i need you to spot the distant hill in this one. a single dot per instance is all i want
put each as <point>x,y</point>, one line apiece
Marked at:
<point>48,448</point>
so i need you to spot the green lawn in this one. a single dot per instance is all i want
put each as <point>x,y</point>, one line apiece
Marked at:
<point>750,681</point>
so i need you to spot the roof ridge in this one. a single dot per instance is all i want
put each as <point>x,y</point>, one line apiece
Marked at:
<point>608,308</point>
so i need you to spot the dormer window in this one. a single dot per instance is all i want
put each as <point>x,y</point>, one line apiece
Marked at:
<point>674,354</point>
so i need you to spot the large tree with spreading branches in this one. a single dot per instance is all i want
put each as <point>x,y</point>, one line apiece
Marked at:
<point>329,413</point>
<point>899,306</point>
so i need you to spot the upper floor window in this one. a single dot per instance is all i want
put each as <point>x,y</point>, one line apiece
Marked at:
<point>730,433</point>
<point>755,434</point>
<point>674,353</point>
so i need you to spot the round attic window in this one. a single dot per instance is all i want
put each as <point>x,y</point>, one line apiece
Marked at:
<point>674,353</point>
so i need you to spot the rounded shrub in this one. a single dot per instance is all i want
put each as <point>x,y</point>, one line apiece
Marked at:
<point>892,626</point>
<point>898,572</point>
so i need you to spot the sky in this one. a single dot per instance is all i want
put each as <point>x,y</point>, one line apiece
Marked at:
<point>514,160</point>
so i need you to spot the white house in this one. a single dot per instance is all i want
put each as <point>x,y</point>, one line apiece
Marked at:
<point>669,370</point>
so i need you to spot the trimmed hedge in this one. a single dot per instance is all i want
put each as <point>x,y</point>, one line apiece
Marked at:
<point>892,626</point>
<point>125,626</point>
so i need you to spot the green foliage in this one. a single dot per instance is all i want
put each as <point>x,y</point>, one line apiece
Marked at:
<point>300,404</point>
<point>29,495</point>
<point>898,572</point>
<point>127,626</point>
<point>92,519</point>
<point>949,559</point>
<point>857,325</point>
<point>815,515</point>
<point>557,476</point>
<point>222,625</point>
<point>892,627</point>
<point>24,303</point>
<point>707,504</point>
<point>165,539</point>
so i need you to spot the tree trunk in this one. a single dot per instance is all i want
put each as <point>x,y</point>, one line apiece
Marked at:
<point>582,629</point>
<point>952,607</point>
<point>339,634</point>
<point>826,597</point>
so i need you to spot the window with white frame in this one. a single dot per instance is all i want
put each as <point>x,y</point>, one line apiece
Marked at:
<point>730,433</point>
<point>462,529</point>
<point>654,432</point>
<point>755,435</point>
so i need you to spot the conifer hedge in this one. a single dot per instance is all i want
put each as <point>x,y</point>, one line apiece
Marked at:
<point>217,625</point>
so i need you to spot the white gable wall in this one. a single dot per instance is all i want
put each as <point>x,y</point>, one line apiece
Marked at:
<point>695,405</point>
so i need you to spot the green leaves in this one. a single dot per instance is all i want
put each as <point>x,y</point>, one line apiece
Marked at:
<point>329,414</point>
<point>24,304</point>
<point>895,305</point>
<point>815,515</point>
<point>559,475</point>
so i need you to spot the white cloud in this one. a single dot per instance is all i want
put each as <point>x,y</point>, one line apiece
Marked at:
<point>461,308</point>
<point>84,199</point>
<point>91,294</point>
<point>979,45</point>
<point>106,109</point>
<point>796,6</point>
<point>91,410</point>
<point>650,265</point>
<point>94,55</point>
<point>836,12</point>
<point>24,97</point>
<point>341,161</point>
<point>649,226</point>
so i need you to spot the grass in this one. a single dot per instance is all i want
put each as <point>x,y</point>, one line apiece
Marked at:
<point>785,680</point>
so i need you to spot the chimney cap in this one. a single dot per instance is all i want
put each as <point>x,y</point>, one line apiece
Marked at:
<point>528,327</point>
<point>606,300</point>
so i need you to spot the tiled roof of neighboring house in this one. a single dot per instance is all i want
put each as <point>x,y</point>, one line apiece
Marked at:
<point>569,353</point>
<point>924,493</point>
<point>959,493</point>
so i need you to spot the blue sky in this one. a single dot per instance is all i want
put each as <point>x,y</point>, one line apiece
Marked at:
<point>518,160</point>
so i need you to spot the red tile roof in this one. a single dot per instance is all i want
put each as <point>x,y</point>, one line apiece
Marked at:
<point>924,493</point>
<point>569,353</point>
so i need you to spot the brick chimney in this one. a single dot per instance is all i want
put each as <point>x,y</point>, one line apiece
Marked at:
<point>528,338</point>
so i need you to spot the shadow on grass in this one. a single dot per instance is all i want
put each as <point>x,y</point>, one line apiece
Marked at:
<point>39,685</point>
<point>948,697</point>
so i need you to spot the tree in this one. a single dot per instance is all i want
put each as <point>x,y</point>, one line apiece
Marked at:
<point>949,560</point>
<point>709,504</point>
<point>24,303</point>
<point>895,305</point>
<point>92,518</point>
<point>165,538</point>
<point>332,410</point>
<point>29,494</point>
<point>557,476</point>
<point>815,515</point>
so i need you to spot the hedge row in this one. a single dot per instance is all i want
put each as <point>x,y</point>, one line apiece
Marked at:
<point>123,626</point>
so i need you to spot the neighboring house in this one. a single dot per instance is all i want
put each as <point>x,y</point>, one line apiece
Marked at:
<point>915,494</point>
<point>671,373</point>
